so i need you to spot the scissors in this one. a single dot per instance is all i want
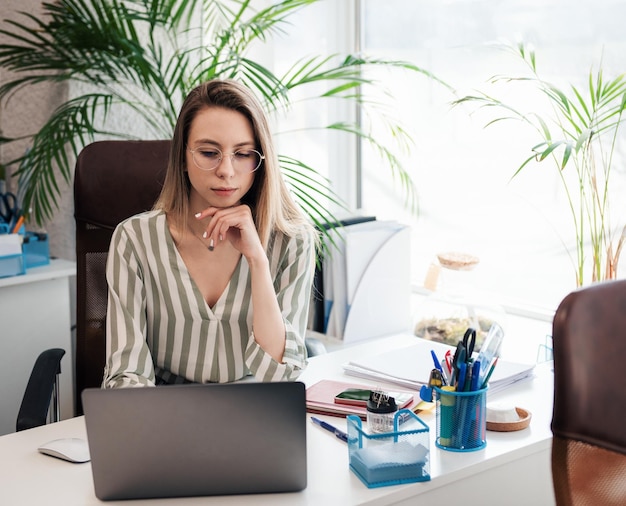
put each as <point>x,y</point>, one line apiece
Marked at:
<point>9,209</point>
<point>469,341</point>
<point>463,353</point>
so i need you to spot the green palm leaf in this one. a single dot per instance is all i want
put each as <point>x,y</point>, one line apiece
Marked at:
<point>143,56</point>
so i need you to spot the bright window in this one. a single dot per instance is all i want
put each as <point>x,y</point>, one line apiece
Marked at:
<point>468,203</point>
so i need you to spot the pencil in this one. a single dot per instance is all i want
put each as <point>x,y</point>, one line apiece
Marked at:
<point>493,366</point>
<point>18,225</point>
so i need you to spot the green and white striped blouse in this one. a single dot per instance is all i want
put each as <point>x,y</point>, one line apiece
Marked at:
<point>160,328</point>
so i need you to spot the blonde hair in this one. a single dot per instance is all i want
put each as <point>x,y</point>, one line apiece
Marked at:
<point>273,208</point>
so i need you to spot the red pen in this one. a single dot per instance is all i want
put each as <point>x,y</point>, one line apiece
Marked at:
<point>447,359</point>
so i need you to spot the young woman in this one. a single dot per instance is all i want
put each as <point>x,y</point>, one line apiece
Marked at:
<point>214,283</point>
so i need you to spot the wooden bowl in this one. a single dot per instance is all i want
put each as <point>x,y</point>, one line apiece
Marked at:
<point>522,423</point>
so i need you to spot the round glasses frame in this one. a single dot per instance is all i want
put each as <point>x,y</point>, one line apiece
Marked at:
<point>237,158</point>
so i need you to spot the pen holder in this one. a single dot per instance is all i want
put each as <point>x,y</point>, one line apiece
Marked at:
<point>390,458</point>
<point>461,420</point>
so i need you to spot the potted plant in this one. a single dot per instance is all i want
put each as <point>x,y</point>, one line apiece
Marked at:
<point>142,57</point>
<point>577,134</point>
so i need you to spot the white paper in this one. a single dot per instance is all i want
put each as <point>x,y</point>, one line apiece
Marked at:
<point>10,244</point>
<point>410,366</point>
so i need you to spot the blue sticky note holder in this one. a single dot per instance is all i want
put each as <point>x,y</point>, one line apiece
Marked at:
<point>390,458</point>
<point>36,249</point>
<point>12,265</point>
<point>35,253</point>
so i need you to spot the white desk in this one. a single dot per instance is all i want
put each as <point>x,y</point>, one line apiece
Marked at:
<point>514,468</point>
<point>35,314</point>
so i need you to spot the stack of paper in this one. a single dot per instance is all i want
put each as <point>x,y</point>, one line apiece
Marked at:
<point>410,367</point>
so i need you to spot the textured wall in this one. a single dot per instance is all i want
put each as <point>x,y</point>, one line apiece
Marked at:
<point>23,113</point>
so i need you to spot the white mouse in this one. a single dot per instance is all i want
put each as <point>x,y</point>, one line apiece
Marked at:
<point>71,449</point>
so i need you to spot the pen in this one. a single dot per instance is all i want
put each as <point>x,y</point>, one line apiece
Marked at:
<point>436,360</point>
<point>493,366</point>
<point>460,385</point>
<point>18,225</point>
<point>475,376</point>
<point>340,434</point>
<point>439,367</point>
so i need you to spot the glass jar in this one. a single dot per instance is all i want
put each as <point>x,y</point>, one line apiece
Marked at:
<point>456,303</point>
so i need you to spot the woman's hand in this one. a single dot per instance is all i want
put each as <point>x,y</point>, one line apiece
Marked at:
<point>236,225</point>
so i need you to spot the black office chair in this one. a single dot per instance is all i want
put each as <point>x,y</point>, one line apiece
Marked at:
<point>42,391</point>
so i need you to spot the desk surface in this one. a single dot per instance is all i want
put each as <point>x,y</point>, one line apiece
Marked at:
<point>27,477</point>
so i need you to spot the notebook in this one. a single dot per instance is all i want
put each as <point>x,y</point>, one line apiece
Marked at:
<point>197,440</point>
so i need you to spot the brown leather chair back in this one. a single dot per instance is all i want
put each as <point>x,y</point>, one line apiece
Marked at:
<point>589,417</point>
<point>113,180</point>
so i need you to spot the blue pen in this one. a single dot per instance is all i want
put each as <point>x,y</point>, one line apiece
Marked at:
<point>438,366</point>
<point>461,379</point>
<point>475,376</point>
<point>340,434</point>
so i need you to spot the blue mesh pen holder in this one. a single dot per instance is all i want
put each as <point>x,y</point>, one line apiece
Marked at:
<point>390,458</point>
<point>461,420</point>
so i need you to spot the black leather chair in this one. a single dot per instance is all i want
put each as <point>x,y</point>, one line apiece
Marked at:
<point>42,391</point>
<point>589,443</point>
<point>113,180</point>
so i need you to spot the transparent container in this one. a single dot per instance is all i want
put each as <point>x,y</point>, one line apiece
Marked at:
<point>381,410</point>
<point>456,304</point>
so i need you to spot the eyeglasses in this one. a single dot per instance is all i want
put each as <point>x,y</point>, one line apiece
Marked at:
<point>209,158</point>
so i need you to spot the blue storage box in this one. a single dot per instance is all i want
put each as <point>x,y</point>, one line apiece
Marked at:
<point>11,265</point>
<point>390,458</point>
<point>36,249</point>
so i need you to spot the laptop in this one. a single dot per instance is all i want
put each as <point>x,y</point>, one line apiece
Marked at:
<point>197,439</point>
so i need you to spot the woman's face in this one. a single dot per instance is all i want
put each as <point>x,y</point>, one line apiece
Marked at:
<point>217,133</point>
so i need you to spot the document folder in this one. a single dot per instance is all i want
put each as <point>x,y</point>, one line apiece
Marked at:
<point>367,281</point>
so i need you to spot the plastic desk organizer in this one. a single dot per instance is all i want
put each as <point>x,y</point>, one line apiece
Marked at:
<point>390,458</point>
<point>35,253</point>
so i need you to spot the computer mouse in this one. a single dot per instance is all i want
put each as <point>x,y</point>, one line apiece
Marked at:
<point>71,449</point>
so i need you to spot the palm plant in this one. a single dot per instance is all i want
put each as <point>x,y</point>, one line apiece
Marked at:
<point>580,133</point>
<point>143,56</point>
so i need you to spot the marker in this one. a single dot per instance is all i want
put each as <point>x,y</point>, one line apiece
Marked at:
<point>340,434</point>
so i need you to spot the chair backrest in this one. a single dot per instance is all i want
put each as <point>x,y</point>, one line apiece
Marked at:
<point>589,443</point>
<point>42,390</point>
<point>113,181</point>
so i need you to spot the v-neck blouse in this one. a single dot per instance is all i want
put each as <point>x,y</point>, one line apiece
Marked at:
<point>160,326</point>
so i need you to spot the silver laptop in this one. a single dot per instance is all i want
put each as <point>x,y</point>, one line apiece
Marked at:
<point>197,440</point>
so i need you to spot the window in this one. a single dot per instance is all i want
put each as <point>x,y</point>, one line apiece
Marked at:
<point>468,202</point>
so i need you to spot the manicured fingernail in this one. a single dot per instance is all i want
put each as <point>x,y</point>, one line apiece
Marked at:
<point>197,215</point>
<point>221,238</point>
<point>211,245</point>
<point>204,235</point>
